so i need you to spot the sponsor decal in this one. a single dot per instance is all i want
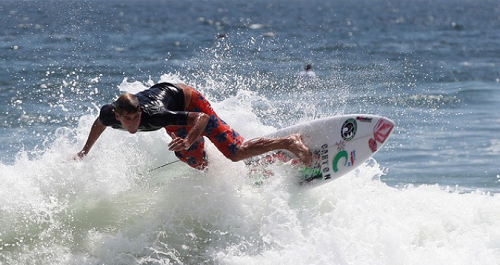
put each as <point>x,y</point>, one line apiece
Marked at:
<point>380,133</point>
<point>341,159</point>
<point>364,119</point>
<point>314,172</point>
<point>311,173</point>
<point>348,130</point>
<point>382,130</point>
<point>336,160</point>
<point>373,145</point>
<point>324,162</point>
<point>321,168</point>
<point>353,158</point>
<point>347,158</point>
<point>340,145</point>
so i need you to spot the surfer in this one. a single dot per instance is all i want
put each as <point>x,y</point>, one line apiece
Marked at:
<point>308,73</point>
<point>186,116</point>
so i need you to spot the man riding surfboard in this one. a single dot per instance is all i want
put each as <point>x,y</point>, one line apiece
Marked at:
<point>186,116</point>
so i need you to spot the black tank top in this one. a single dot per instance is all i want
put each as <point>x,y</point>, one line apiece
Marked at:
<point>161,104</point>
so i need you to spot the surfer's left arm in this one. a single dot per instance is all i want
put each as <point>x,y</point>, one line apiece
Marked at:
<point>198,121</point>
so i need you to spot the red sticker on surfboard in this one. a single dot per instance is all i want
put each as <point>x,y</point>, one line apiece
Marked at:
<point>373,145</point>
<point>382,130</point>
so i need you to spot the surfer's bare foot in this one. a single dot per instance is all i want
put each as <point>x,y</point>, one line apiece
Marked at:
<point>300,150</point>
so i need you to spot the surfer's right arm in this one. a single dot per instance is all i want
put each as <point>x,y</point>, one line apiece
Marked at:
<point>95,132</point>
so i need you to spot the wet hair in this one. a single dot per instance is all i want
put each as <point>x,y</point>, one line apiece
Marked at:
<point>308,66</point>
<point>127,103</point>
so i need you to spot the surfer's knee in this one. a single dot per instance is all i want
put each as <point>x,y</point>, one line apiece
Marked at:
<point>240,154</point>
<point>236,157</point>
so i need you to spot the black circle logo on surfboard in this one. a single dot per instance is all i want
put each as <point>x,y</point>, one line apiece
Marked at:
<point>348,130</point>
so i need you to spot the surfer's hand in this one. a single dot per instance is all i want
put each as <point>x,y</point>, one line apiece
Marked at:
<point>178,143</point>
<point>79,156</point>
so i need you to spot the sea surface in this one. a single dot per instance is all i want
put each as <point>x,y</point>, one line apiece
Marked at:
<point>430,196</point>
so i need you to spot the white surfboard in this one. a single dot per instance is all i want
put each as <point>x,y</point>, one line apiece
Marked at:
<point>339,144</point>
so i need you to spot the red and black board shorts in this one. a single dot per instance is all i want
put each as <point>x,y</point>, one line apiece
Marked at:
<point>227,140</point>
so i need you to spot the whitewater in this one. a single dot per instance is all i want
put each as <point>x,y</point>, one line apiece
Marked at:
<point>111,209</point>
<point>430,196</point>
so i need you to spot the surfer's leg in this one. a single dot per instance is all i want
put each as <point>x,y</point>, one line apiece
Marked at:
<point>227,140</point>
<point>233,145</point>
<point>220,133</point>
<point>258,146</point>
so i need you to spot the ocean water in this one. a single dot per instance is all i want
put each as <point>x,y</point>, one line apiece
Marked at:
<point>430,196</point>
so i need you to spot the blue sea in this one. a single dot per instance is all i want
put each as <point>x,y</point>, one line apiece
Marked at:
<point>430,196</point>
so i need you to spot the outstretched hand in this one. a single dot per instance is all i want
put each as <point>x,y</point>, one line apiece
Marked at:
<point>178,143</point>
<point>79,156</point>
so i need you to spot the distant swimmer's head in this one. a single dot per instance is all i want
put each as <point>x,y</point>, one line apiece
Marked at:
<point>128,112</point>
<point>308,67</point>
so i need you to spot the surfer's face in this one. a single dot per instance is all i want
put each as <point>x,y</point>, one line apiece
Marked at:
<point>130,120</point>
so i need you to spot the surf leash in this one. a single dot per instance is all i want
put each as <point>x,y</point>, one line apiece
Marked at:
<point>164,165</point>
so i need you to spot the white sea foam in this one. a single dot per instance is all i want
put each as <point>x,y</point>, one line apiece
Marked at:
<point>108,209</point>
